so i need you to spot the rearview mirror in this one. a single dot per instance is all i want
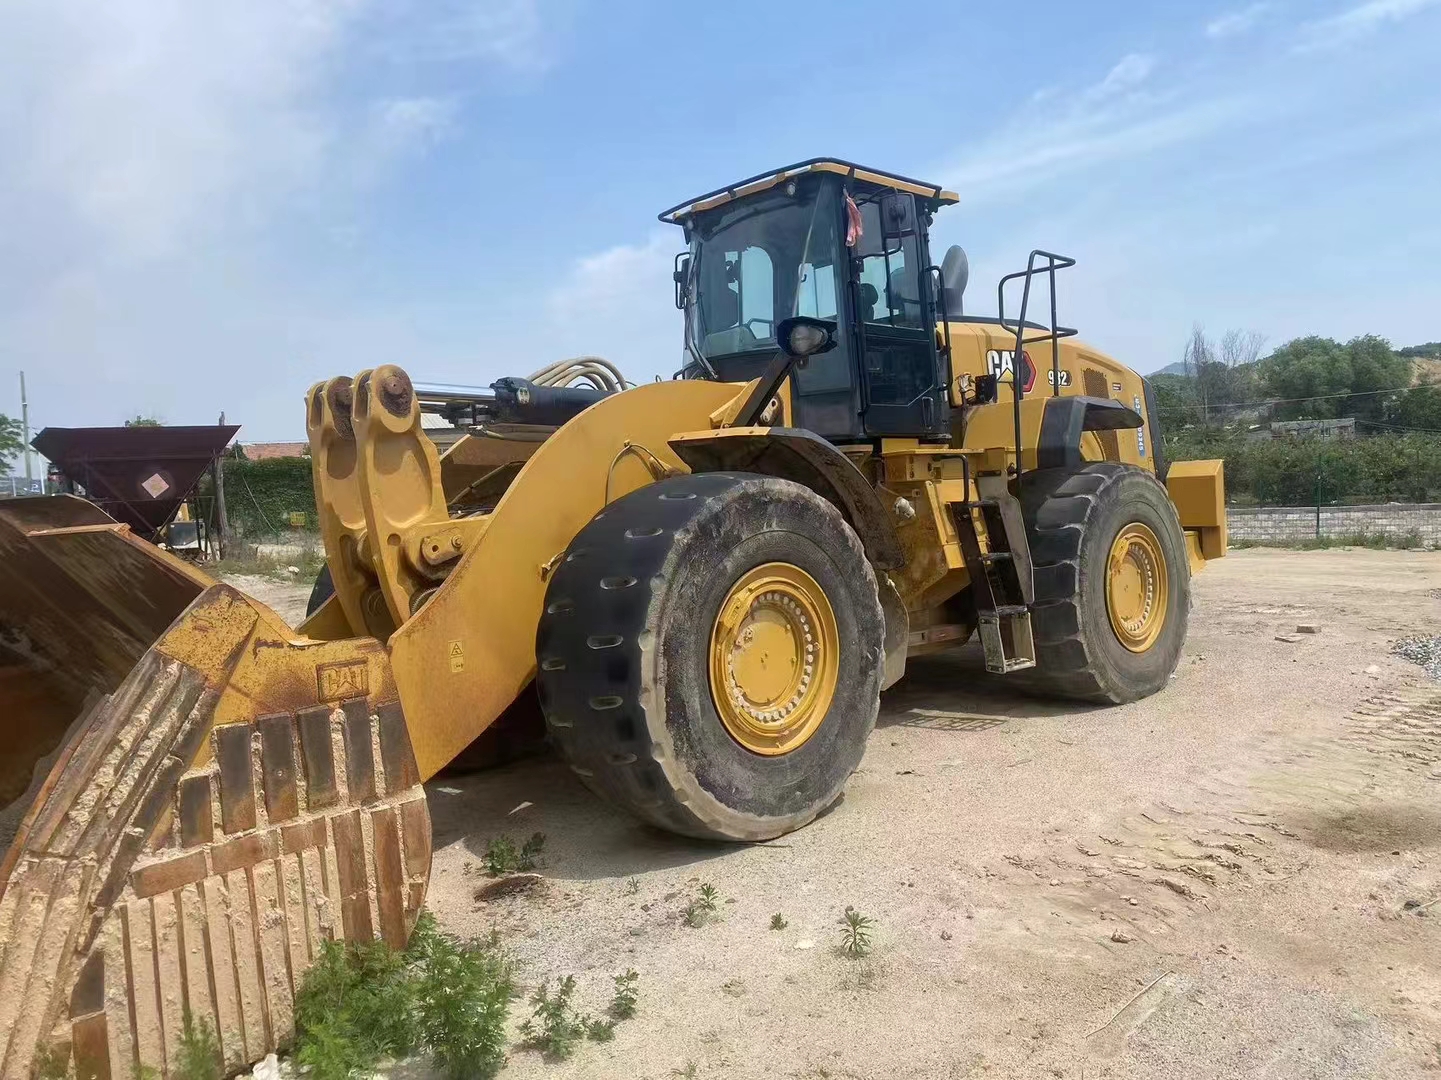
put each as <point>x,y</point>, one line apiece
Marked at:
<point>801,336</point>
<point>898,215</point>
<point>681,276</point>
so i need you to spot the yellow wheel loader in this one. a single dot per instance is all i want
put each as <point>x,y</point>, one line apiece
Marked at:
<point>708,580</point>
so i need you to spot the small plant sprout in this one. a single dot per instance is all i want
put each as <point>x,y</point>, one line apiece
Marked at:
<point>632,886</point>
<point>856,933</point>
<point>778,921</point>
<point>597,1030</point>
<point>622,1005</point>
<point>702,907</point>
<point>554,1027</point>
<point>530,852</point>
<point>503,857</point>
<point>500,856</point>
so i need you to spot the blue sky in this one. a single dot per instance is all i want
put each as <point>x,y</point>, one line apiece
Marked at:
<point>207,207</point>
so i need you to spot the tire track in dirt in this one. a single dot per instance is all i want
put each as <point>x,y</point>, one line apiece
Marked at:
<point>1362,786</point>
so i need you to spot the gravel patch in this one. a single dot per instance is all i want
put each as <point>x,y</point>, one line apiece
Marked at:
<point>1425,651</point>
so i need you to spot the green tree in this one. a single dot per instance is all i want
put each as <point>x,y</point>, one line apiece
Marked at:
<point>1418,409</point>
<point>1374,367</point>
<point>1176,399</point>
<point>143,421</point>
<point>1319,378</point>
<point>1307,373</point>
<point>12,441</point>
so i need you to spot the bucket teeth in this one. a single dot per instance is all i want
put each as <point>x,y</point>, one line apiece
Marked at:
<point>172,866</point>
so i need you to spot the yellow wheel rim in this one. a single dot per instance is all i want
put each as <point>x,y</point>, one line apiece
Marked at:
<point>1137,587</point>
<point>774,656</point>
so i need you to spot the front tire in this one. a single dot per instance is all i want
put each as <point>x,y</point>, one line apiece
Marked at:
<point>1113,582</point>
<point>711,652</point>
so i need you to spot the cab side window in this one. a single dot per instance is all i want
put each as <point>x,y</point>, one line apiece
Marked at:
<point>889,287</point>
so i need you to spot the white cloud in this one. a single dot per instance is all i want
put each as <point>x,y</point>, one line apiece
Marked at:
<point>169,165</point>
<point>517,34</point>
<point>1030,155</point>
<point>1358,21</point>
<point>144,120</point>
<point>396,130</point>
<point>1130,71</point>
<point>1234,23</point>
<point>619,303</point>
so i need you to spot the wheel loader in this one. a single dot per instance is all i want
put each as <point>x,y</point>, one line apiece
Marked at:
<point>708,582</point>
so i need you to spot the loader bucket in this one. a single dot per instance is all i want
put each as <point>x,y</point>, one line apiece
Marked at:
<point>229,796</point>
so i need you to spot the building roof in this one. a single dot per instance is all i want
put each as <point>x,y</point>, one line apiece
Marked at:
<point>262,451</point>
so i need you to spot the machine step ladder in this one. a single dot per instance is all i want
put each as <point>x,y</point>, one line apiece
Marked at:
<point>1001,577</point>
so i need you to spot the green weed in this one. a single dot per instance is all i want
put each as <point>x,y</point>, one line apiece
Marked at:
<point>1376,541</point>
<point>778,921</point>
<point>503,857</point>
<point>554,1027</point>
<point>356,1005</point>
<point>622,1005</point>
<point>52,1063</point>
<point>462,993</point>
<point>856,933</point>
<point>199,1057</point>
<point>632,886</point>
<point>703,907</point>
<point>446,998</point>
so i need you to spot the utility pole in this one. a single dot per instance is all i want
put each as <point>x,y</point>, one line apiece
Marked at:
<point>25,423</point>
<point>222,523</point>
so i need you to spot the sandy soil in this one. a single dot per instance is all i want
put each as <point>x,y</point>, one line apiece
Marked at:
<point>286,598</point>
<point>1209,883</point>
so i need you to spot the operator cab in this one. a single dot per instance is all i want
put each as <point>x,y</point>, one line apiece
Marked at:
<point>830,241</point>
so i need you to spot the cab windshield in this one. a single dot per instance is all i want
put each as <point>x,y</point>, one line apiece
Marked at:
<point>759,262</point>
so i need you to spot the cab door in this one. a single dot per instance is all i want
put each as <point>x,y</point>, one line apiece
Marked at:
<point>903,386</point>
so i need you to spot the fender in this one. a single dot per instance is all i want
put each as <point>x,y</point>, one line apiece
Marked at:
<point>806,458</point>
<point>1064,420</point>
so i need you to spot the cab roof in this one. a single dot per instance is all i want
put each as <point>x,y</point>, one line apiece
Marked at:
<point>682,212</point>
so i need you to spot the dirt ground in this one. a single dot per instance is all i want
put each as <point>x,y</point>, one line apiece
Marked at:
<point>286,598</point>
<point>1210,883</point>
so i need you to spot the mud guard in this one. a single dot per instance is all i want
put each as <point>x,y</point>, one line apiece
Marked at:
<point>802,456</point>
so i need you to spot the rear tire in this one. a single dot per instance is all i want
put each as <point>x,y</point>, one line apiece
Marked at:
<point>1080,524</point>
<point>627,642</point>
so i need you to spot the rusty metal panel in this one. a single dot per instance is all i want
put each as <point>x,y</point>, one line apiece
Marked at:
<point>138,475</point>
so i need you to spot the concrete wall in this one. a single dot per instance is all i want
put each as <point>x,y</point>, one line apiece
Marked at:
<point>1299,522</point>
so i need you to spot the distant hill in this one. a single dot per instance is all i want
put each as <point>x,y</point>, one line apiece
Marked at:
<point>1178,368</point>
<point>1425,370</point>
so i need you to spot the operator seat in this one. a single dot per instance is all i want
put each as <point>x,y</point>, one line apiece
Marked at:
<point>904,309</point>
<point>722,309</point>
<point>868,298</point>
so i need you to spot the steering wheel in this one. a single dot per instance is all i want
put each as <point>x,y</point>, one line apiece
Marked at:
<point>767,323</point>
